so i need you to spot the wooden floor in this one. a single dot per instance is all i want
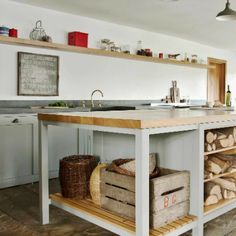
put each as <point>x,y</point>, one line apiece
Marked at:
<point>19,216</point>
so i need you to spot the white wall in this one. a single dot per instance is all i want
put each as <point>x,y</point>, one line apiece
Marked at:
<point>119,79</point>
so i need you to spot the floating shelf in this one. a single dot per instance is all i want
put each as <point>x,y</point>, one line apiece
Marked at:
<point>220,204</point>
<point>97,52</point>
<point>220,175</point>
<point>96,214</point>
<point>220,150</point>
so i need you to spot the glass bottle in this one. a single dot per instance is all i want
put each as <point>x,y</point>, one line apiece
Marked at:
<point>139,48</point>
<point>228,97</point>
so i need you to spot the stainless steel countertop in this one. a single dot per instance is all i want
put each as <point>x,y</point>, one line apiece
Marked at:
<point>17,110</point>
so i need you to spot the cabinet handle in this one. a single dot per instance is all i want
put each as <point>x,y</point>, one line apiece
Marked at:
<point>15,121</point>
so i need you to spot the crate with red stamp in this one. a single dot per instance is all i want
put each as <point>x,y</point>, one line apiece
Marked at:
<point>169,195</point>
<point>77,38</point>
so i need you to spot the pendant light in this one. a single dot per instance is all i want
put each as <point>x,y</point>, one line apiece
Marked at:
<point>227,14</point>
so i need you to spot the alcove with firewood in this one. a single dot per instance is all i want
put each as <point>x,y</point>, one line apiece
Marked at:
<point>219,167</point>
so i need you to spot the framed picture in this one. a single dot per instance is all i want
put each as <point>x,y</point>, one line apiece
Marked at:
<point>38,75</point>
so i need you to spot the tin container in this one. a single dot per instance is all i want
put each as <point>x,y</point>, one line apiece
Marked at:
<point>13,33</point>
<point>4,30</point>
<point>78,39</point>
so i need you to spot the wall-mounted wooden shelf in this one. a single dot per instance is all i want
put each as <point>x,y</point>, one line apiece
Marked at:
<point>97,52</point>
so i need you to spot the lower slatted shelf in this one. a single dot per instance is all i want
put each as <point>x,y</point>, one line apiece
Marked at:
<point>87,207</point>
<point>220,204</point>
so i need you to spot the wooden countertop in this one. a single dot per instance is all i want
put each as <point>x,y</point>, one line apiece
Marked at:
<point>140,119</point>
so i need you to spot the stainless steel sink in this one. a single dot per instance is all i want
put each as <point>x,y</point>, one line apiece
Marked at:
<point>112,108</point>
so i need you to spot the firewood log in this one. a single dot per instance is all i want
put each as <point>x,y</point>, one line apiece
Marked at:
<point>211,188</point>
<point>227,194</point>
<point>209,137</point>
<point>225,157</point>
<point>222,143</point>
<point>230,159</point>
<point>224,165</point>
<point>215,136</point>
<point>234,134</point>
<point>220,135</point>
<point>205,158</point>
<point>208,175</point>
<point>227,131</point>
<point>209,200</point>
<point>212,167</point>
<point>231,179</point>
<point>231,169</point>
<point>213,146</point>
<point>226,184</point>
<point>231,140</point>
<point>208,147</point>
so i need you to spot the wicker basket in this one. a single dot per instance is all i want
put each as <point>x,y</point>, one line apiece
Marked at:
<point>74,175</point>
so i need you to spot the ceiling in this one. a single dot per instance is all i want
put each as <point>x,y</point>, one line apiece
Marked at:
<point>190,19</point>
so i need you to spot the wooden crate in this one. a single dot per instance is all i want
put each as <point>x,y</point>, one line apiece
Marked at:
<point>169,195</point>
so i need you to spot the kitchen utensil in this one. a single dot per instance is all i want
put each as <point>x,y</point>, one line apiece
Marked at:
<point>173,56</point>
<point>174,92</point>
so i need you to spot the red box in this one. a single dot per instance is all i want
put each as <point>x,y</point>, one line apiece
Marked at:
<point>78,39</point>
<point>13,33</point>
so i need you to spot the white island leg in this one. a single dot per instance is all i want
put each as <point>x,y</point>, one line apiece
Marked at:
<point>43,173</point>
<point>142,182</point>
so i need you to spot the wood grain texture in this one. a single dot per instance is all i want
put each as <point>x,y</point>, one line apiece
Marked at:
<point>216,80</point>
<point>167,215</point>
<point>97,52</point>
<point>220,204</point>
<point>125,223</point>
<point>141,119</point>
<point>123,181</point>
<point>169,195</point>
<point>118,193</point>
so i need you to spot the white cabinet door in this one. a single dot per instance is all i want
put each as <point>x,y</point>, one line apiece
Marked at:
<point>19,149</point>
<point>16,152</point>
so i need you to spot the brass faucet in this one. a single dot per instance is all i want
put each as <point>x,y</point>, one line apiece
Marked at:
<point>94,91</point>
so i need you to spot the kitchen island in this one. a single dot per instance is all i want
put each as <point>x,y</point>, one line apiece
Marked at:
<point>178,138</point>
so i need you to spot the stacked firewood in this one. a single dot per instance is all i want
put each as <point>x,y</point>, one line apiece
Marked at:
<point>219,188</point>
<point>220,138</point>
